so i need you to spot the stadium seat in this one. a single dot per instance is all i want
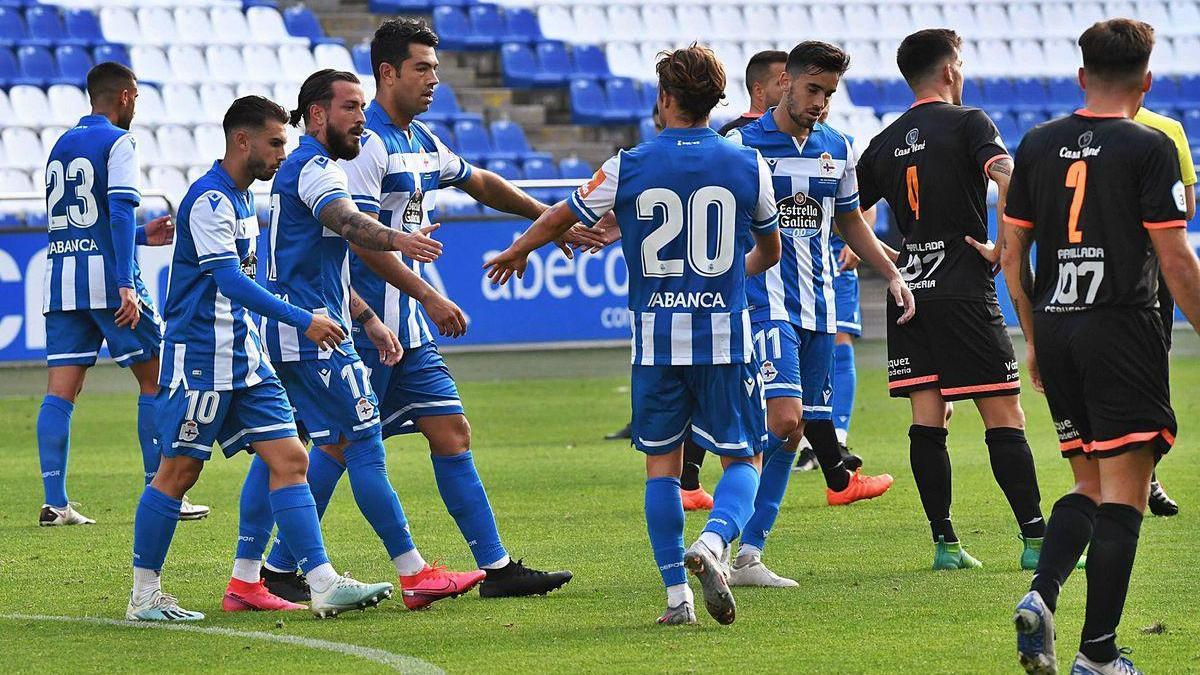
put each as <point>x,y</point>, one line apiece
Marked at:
<point>588,102</point>
<point>588,61</point>
<point>361,53</point>
<point>37,66</point>
<point>1191,123</point>
<point>508,141</point>
<point>624,59</point>
<point>10,71</point>
<point>44,27</point>
<point>230,27</point>
<point>73,64</point>
<point>694,20</point>
<point>646,130</point>
<point>1189,92</point>
<point>445,108</point>
<point>150,111</point>
<point>442,131</point>
<point>1028,120</point>
<point>210,141</point>
<point>574,168</point>
<point>556,22</point>
<point>181,105</point>
<point>593,20</point>
<point>12,27</point>
<point>297,62</point>
<point>168,179</point>
<point>627,17</point>
<point>267,27</point>
<point>157,26</point>
<point>894,95</point>
<point>82,27</point>
<point>334,56</point>
<point>520,25</point>
<point>553,63</point>
<point>399,6</point>
<point>188,65</point>
<point>22,147</point>
<point>523,68</point>
<point>14,180</point>
<point>301,22</point>
<point>506,169</point>
<point>486,26</point>
<point>472,141</point>
<point>119,25</point>
<point>214,100</point>
<point>624,101</point>
<point>1029,93</point>
<point>649,96</point>
<point>1006,124</point>
<point>998,93</point>
<point>175,146</point>
<point>198,27</point>
<point>540,168</point>
<point>67,104</point>
<point>267,68</point>
<point>48,136</point>
<point>117,54</point>
<point>453,28</point>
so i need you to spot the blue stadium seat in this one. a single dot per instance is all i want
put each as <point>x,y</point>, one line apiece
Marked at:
<point>83,26</point>
<point>624,101</point>
<point>646,130</point>
<point>400,6</point>
<point>1191,123</point>
<point>361,54</point>
<point>473,142</point>
<point>44,26</point>
<point>486,26</point>
<point>116,53</point>
<point>894,96</point>
<point>520,25</point>
<point>1029,119</point>
<point>589,61</point>
<point>1063,95</point>
<point>523,69</point>
<point>73,64</point>
<point>301,22</point>
<point>461,209</point>
<point>573,167</point>
<point>540,168</point>
<point>972,92</point>
<point>1189,92</point>
<point>1006,123</point>
<point>1029,94</point>
<point>864,92</point>
<point>9,71</point>
<point>508,141</point>
<point>37,66</point>
<point>1165,93</point>
<point>445,107</point>
<point>12,27</point>
<point>588,102</point>
<point>553,62</point>
<point>998,93</point>
<point>505,168</point>
<point>453,28</point>
<point>650,98</point>
<point>441,131</point>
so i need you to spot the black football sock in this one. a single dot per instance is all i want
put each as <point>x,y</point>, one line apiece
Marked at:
<point>693,459</point>
<point>1012,465</point>
<point>931,470</point>
<point>823,437</point>
<point>1067,533</point>
<point>1110,562</point>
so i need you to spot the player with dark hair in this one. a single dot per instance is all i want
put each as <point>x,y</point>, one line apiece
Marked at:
<point>402,164</point>
<point>693,364</point>
<point>792,304</point>
<point>1102,198</point>
<point>218,387</point>
<point>94,292</point>
<point>763,83</point>
<point>932,166</point>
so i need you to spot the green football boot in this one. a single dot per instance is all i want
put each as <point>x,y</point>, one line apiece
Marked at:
<point>951,556</point>
<point>1033,551</point>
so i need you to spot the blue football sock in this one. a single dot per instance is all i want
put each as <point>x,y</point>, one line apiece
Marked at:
<point>367,465</point>
<point>255,520</point>
<point>324,472</point>
<point>153,527</point>
<point>664,522</point>
<point>296,512</point>
<point>777,469</point>
<point>147,436</point>
<point>733,501</point>
<point>467,501</point>
<point>54,444</point>
<point>845,379</point>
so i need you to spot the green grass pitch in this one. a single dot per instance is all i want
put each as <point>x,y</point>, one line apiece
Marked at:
<point>867,601</point>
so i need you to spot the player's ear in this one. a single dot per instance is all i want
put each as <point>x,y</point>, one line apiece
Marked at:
<point>1082,79</point>
<point>1147,81</point>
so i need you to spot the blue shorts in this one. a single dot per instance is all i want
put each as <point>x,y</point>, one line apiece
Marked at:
<point>191,420</point>
<point>333,397</point>
<point>74,338</point>
<point>419,386</point>
<point>845,300</point>
<point>722,406</point>
<point>795,363</point>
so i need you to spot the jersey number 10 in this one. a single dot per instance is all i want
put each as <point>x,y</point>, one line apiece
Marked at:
<point>698,222</point>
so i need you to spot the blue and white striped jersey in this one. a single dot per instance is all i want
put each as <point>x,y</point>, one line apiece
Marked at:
<point>395,176</point>
<point>813,180</point>
<point>686,202</point>
<point>211,342</point>
<point>307,265</point>
<point>91,161</point>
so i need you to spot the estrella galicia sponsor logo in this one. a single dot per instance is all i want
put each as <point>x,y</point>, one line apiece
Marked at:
<point>799,216</point>
<point>250,265</point>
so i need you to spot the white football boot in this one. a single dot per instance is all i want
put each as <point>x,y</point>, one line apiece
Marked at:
<point>54,517</point>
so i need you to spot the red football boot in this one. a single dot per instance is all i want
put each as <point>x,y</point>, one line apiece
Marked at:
<point>241,596</point>
<point>434,583</point>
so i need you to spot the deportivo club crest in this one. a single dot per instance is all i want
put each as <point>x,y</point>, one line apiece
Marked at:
<point>365,409</point>
<point>911,137</point>
<point>188,431</point>
<point>769,373</point>
<point>827,165</point>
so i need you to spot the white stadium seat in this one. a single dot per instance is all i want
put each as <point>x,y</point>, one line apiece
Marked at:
<point>169,180</point>
<point>210,141</point>
<point>333,56</point>
<point>229,24</point>
<point>150,109</point>
<point>29,105</point>
<point>48,137</point>
<point>147,146</point>
<point>862,21</point>
<point>267,27</point>
<point>660,22</point>
<point>224,64</point>
<point>591,20</point>
<point>297,62</point>
<point>195,171</point>
<point>14,180</point>
<point>629,19</point>
<point>67,104</point>
<point>1185,17</point>
<point>556,22</point>
<point>196,27</point>
<point>624,59</point>
<point>23,148</point>
<point>730,22</point>
<point>175,145</point>
<point>765,21</point>
<point>150,64</point>
<point>261,64</point>
<point>181,104</point>
<point>286,94</point>
<point>157,26</point>
<point>253,89</point>
<point>119,25</point>
<point>695,20</point>
<point>1057,19</point>
<point>829,16</point>
<point>187,64</point>
<point>215,100</point>
<point>6,111</point>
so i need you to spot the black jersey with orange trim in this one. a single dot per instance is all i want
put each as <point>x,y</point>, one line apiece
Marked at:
<point>930,165</point>
<point>1090,187</point>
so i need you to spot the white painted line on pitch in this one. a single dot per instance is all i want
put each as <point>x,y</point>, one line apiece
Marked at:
<point>400,662</point>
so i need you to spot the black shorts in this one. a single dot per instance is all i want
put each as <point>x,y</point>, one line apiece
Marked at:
<point>959,347</point>
<point>1105,373</point>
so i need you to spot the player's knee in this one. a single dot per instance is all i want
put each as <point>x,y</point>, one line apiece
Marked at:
<point>451,437</point>
<point>785,423</point>
<point>1089,488</point>
<point>177,475</point>
<point>290,467</point>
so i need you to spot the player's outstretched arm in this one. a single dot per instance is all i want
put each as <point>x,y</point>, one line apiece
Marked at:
<point>549,226</point>
<point>765,254</point>
<point>491,190</point>
<point>381,336</point>
<point>236,286</point>
<point>1018,276</point>
<point>1181,270</point>
<point>866,245</point>
<point>1000,171</point>
<point>157,232</point>
<point>343,217</point>
<point>594,239</point>
<point>449,319</point>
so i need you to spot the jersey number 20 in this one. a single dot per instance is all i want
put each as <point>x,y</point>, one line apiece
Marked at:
<point>710,206</point>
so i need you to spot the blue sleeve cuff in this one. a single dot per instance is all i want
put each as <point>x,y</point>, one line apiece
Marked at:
<point>366,203</point>
<point>846,207</point>
<point>461,178</point>
<point>139,237</point>
<point>325,199</point>
<point>767,226</point>
<point>586,216</point>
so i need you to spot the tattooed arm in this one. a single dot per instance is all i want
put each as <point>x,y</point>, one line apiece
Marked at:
<point>343,217</point>
<point>999,171</point>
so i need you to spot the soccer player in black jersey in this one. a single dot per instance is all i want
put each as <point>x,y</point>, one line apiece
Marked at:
<point>932,165</point>
<point>763,83</point>
<point>1101,196</point>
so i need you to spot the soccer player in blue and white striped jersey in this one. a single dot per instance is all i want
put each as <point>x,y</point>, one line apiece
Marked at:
<point>93,291</point>
<point>697,215</point>
<point>792,305</point>
<point>313,221</point>
<point>219,387</point>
